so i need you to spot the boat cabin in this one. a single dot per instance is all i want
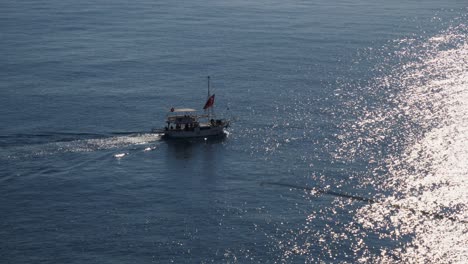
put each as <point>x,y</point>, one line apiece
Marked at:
<point>185,119</point>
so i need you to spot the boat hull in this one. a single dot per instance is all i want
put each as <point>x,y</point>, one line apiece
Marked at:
<point>197,133</point>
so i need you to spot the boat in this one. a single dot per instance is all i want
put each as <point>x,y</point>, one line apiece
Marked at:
<point>189,123</point>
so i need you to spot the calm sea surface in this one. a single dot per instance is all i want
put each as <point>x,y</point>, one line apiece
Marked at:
<point>349,140</point>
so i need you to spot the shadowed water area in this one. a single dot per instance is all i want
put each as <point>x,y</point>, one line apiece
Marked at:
<point>348,143</point>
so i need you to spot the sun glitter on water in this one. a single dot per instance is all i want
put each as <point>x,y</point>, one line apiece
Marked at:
<point>429,172</point>
<point>412,131</point>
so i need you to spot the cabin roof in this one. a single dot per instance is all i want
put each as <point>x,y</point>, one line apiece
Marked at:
<point>179,110</point>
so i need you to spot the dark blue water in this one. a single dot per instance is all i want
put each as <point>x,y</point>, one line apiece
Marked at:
<point>324,94</point>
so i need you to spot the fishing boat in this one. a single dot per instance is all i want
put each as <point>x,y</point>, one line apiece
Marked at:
<point>189,123</point>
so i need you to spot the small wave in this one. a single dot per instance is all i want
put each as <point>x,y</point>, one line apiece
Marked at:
<point>120,155</point>
<point>149,149</point>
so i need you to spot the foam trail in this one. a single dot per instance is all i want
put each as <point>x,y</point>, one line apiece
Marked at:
<point>79,145</point>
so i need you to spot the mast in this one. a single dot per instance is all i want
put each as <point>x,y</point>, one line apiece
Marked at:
<point>208,87</point>
<point>211,109</point>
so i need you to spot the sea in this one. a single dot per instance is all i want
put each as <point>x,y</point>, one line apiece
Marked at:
<point>348,140</point>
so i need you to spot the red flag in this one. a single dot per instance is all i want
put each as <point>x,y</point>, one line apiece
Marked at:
<point>209,102</point>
